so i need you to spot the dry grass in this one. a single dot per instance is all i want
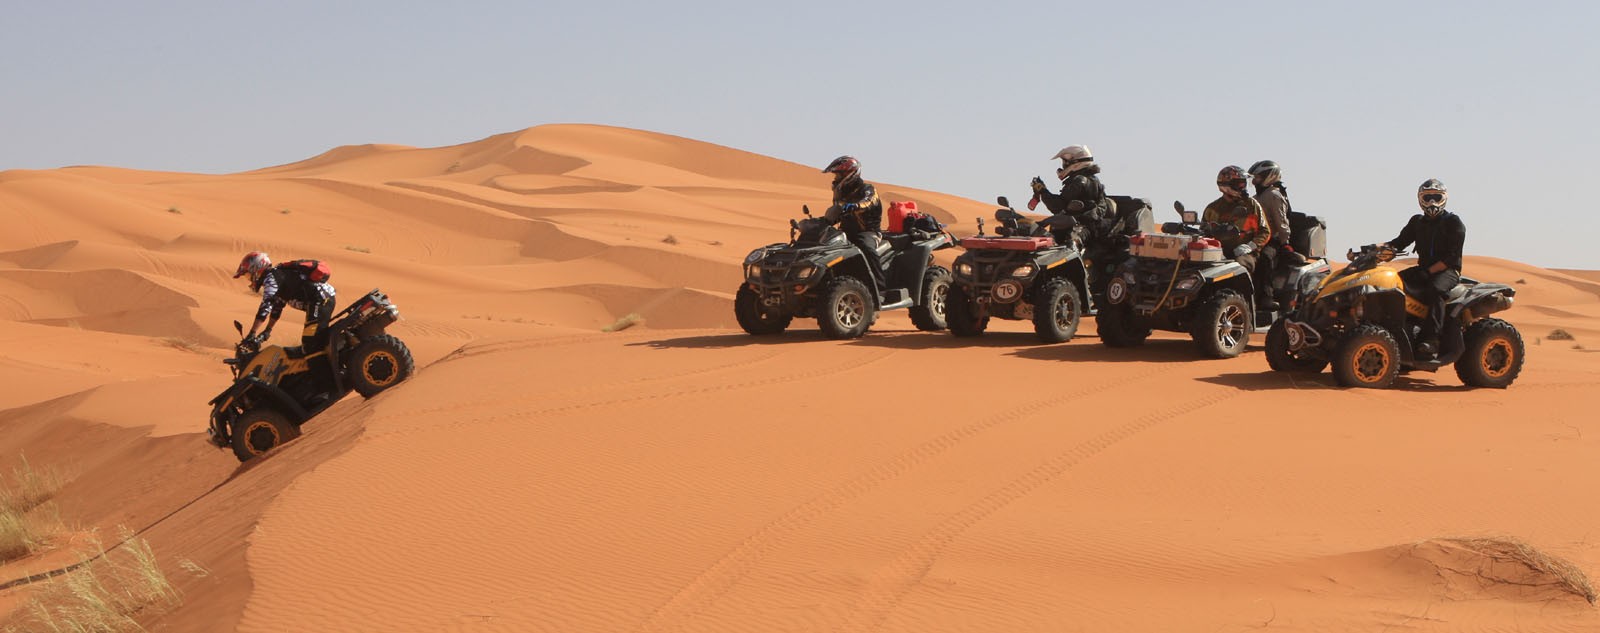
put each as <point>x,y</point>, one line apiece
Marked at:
<point>104,595</point>
<point>175,210</point>
<point>283,211</point>
<point>358,249</point>
<point>27,520</point>
<point>1561,335</point>
<point>184,344</point>
<point>1543,569</point>
<point>669,239</point>
<point>624,323</point>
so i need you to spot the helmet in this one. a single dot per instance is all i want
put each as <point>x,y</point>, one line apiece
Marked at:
<point>844,170</point>
<point>1265,173</point>
<point>1073,158</point>
<point>1432,196</point>
<point>254,264</point>
<point>1231,180</point>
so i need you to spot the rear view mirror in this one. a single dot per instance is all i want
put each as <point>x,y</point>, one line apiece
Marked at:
<point>239,326</point>
<point>1003,202</point>
<point>980,226</point>
<point>1178,205</point>
<point>1190,217</point>
<point>806,210</point>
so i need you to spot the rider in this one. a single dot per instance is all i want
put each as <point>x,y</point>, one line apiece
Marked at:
<point>1243,225</point>
<point>858,211</point>
<point>1082,202</point>
<point>1274,199</point>
<point>288,284</point>
<point>1439,236</point>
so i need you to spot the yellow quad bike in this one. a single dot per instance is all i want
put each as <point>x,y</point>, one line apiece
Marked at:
<point>273,392</point>
<point>1365,322</point>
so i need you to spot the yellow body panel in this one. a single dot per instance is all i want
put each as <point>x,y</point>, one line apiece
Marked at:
<point>272,364</point>
<point>1382,277</point>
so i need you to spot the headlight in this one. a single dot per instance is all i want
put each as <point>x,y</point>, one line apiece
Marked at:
<point>1022,271</point>
<point>805,272</point>
<point>1128,277</point>
<point>752,270</point>
<point>964,269</point>
<point>754,255</point>
<point>1188,282</point>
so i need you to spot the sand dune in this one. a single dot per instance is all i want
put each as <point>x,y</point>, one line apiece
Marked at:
<point>678,475</point>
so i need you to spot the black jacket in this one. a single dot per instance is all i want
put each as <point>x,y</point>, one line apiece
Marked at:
<point>867,211</point>
<point>1083,186</point>
<point>1438,239</point>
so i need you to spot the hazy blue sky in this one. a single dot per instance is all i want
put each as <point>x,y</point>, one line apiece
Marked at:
<point>1360,101</point>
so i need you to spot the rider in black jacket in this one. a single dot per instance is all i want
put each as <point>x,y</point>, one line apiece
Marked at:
<point>1439,236</point>
<point>858,212</point>
<point>288,285</point>
<point>1081,203</point>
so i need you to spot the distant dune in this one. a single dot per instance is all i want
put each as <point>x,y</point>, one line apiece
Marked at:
<point>539,474</point>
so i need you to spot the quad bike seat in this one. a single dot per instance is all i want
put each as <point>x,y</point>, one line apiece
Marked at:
<point>896,241</point>
<point>295,352</point>
<point>1455,293</point>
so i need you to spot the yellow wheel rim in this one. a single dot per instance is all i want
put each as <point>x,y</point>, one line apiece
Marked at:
<point>381,369</point>
<point>250,431</point>
<point>1371,362</point>
<point>1497,358</point>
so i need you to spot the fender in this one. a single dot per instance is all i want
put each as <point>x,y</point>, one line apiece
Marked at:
<point>277,396</point>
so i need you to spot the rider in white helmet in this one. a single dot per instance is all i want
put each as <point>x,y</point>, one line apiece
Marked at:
<point>1439,236</point>
<point>1081,203</point>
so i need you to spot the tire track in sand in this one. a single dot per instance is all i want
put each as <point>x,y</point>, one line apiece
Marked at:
<point>889,586</point>
<point>726,572</point>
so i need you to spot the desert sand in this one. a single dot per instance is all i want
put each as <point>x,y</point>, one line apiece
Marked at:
<point>538,474</point>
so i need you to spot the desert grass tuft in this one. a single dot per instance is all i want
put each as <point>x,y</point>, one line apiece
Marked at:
<point>624,323</point>
<point>1561,573</point>
<point>1561,335</point>
<point>184,344</point>
<point>27,520</point>
<point>175,210</point>
<point>105,594</point>
<point>358,249</point>
<point>669,239</point>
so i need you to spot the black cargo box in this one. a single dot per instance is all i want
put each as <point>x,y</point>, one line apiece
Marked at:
<point>1308,234</point>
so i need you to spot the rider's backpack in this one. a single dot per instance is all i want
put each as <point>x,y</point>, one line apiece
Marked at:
<point>313,270</point>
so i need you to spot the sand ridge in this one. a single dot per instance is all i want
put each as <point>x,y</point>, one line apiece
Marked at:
<point>538,474</point>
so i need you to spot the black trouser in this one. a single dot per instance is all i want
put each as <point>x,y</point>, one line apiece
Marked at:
<point>1431,289</point>
<point>314,341</point>
<point>868,242</point>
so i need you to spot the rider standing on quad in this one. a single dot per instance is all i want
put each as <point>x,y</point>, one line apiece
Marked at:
<point>289,284</point>
<point>1274,200</point>
<point>1237,220</point>
<point>857,210</point>
<point>1439,236</point>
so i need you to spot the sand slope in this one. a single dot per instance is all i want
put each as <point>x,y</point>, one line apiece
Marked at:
<point>538,474</point>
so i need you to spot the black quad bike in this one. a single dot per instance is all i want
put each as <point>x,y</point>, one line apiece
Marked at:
<point>273,392</point>
<point>820,274</point>
<point>1366,322</point>
<point>1179,280</point>
<point>1021,274</point>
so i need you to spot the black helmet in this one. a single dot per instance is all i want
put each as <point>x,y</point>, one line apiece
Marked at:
<point>1265,173</point>
<point>845,169</point>
<point>1231,180</point>
<point>1432,196</point>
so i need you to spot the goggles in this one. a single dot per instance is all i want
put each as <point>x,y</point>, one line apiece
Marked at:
<point>1432,197</point>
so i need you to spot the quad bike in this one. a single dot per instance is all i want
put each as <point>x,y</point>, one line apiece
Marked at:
<point>820,274</point>
<point>1366,322</point>
<point>1180,281</point>
<point>1022,274</point>
<point>273,392</point>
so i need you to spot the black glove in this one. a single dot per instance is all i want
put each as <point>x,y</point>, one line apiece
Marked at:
<point>1037,184</point>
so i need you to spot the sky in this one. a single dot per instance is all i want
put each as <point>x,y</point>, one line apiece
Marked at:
<point>1358,101</point>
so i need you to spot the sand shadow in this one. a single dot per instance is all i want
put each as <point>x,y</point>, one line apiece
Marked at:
<point>1153,351</point>
<point>917,339</point>
<point>738,339</point>
<point>1268,380</point>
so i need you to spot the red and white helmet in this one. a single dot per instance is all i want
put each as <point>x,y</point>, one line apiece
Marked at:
<point>845,169</point>
<point>254,264</point>
<point>1073,158</point>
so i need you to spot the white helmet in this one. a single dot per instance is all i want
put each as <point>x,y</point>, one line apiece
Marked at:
<point>1073,158</point>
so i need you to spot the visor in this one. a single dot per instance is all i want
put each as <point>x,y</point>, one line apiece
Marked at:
<point>1432,197</point>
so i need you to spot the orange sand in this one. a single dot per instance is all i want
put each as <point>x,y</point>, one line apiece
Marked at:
<point>537,474</point>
